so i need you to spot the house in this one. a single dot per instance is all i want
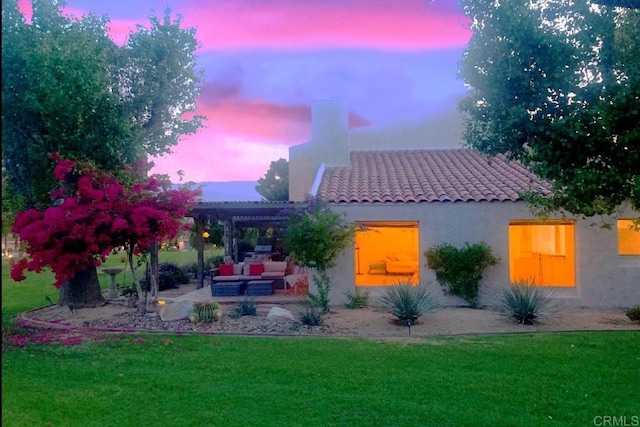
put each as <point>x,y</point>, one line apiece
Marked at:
<point>412,199</point>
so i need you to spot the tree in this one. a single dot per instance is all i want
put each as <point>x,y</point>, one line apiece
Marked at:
<point>68,88</point>
<point>315,237</point>
<point>214,230</point>
<point>274,186</point>
<point>556,85</point>
<point>93,214</point>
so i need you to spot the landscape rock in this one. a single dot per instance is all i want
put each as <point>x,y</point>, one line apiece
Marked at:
<point>279,313</point>
<point>176,310</point>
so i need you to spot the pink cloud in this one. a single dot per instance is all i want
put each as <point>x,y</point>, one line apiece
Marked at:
<point>260,119</point>
<point>26,8</point>
<point>406,25</point>
<point>293,24</point>
<point>212,156</point>
<point>240,139</point>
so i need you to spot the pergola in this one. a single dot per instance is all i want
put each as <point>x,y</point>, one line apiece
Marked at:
<point>232,214</point>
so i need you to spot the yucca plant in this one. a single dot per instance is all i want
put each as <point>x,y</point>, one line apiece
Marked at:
<point>525,302</point>
<point>312,315</point>
<point>406,301</point>
<point>204,311</point>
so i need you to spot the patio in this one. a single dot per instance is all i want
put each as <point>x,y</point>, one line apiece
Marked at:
<point>234,215</point>
<point>277,298</point>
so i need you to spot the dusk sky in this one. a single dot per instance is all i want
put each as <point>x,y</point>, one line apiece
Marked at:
<point>265,61</point>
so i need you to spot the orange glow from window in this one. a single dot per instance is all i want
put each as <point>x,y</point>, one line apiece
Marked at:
<point>628,238</point>
<point>385,253</point>
<point>542,252</point>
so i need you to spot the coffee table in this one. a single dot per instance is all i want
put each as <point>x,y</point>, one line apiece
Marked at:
<point>260,287</point>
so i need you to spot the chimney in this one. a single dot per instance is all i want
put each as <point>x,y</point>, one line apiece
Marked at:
<point>330,131</point>
<point>329,146</point>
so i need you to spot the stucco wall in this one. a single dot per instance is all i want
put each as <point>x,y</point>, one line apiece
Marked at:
<point>603,278</point>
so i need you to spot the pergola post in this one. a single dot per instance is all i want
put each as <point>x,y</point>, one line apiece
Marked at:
<point>200,221</point>
<point>228,237</point>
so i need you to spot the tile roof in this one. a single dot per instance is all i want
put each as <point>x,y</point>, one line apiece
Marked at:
<point>415,176</point>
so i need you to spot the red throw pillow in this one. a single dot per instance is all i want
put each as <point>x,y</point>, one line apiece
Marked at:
<point>226,269</point>
<point>256,269</point>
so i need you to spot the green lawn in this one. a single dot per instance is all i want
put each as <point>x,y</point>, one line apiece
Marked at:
<point>171,380</point>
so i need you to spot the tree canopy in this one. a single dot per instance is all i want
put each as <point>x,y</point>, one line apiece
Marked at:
<point>68,88</point>
<point>556,85</point>
<point>274,186</point>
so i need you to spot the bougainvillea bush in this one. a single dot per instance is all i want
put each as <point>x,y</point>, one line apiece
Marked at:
<point>94,212</point>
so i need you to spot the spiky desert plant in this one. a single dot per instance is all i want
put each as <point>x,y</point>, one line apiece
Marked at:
<point>406,301</point>
<point>525,302</point>
<point>204,311</point>
<point>312,315</point>
<point>246,307</point>
<point>633,313</point>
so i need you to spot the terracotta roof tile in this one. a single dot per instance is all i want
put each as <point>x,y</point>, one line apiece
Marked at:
<point>415,176</point>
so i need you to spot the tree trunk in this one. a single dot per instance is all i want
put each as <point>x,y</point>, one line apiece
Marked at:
<point>153,276</point>
<point>82,290</point>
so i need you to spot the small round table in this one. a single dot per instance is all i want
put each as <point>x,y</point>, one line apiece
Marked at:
<point>113,291</point>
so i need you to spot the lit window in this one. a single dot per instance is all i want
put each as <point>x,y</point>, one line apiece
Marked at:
<point>543,252</point>
<point>628,238</point>
<point>386,252</point>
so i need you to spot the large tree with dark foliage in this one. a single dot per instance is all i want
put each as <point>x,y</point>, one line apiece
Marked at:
<point>556,84</point>
<point>68,88</point>
<point>274,186</point>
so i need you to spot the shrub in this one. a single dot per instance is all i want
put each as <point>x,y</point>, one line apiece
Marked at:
<point>525,302</point>
<point>633,313</point>
<point>311,315</point>
<point>190,270</point>
<point>357,299</point>
<point>214,260</point>
<point>315,237</point>
<point>247,307</point>
<point>323,285</point>
<point>170,276</point>
<point>204,311</point>
<point>407,302</point>
<point>459,270</point>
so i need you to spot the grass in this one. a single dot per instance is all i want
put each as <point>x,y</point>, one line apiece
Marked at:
<point>530,379</point>
<point>22,296</point>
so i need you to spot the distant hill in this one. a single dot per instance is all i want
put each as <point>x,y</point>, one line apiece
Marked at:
<point>232,191</point>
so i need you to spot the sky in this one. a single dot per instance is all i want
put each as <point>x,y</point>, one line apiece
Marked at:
<point>265,61</point>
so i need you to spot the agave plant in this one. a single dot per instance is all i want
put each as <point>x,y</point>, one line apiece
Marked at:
<point>312,315</point>
<point>247,307</point>
<point>525,302</point>
<point>406,301</point>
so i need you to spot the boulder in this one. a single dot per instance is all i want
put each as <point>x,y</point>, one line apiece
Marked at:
<point>176,310</point>
<point>279,313</point>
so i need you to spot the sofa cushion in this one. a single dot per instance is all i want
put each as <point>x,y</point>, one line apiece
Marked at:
<point>229,278</point>
<point>275,266</point>
<point>226,269</point>
<point>237,269</point>
<point>256,269</point>
<point>273,275</point>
